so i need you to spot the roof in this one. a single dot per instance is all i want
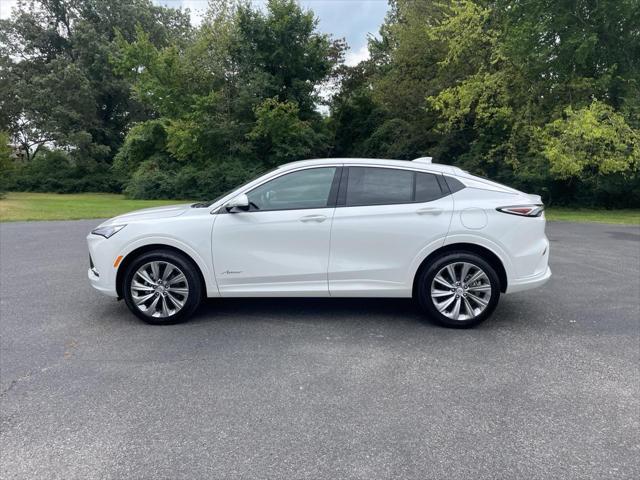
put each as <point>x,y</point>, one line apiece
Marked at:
<point>419,165</point>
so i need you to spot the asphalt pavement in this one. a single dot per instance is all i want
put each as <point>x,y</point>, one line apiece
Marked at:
<point>549,387</point>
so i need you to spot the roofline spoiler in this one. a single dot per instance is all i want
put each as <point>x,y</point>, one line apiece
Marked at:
<point>424,160</point>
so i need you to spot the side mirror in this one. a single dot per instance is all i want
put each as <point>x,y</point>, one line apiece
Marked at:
<point>237,204</point>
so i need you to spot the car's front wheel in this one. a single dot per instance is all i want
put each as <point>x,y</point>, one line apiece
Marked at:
<point>162,287</point>
<point>458,289</point>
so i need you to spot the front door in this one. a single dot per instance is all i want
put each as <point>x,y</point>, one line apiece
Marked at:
<point>280,246</point>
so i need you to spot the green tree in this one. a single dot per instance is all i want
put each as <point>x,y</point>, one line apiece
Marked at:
<point>380,109</point>
<point>498,87</point>
<point>572,51</point>
<point>6,162</point>
<point>279,135</point>
<point>355,114</point>
<point>240,96</point>
<point>56,83</point>
<point>591,142</point>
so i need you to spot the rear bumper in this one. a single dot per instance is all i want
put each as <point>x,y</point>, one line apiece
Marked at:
<point>527,283</point>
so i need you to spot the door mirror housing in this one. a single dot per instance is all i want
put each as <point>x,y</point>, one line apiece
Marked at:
<point>238,204</point>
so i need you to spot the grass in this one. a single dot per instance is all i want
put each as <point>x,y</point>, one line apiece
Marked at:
<point>18,206</point>
<point>626,216</point>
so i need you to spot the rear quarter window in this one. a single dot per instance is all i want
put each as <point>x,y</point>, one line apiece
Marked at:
<point>454,184</point>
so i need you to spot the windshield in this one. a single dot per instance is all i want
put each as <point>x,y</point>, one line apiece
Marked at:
<point>211,202</point>
<point>220,197</point>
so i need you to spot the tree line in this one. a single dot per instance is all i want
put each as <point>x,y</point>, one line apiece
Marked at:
<point>123,95</point>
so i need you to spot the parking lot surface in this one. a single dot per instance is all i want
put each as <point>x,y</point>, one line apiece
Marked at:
<point>549,387</point>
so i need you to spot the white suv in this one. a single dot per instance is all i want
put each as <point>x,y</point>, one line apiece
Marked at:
<point>331,228</point>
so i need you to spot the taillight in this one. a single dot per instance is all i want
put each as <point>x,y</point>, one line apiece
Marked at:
<point>523,210</point>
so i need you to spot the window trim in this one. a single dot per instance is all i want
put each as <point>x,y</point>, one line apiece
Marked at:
<point>331,201</point>
<point>342,194</point>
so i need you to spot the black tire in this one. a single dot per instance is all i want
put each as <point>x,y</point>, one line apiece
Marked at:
<point>426,279</point>
<point>193,284</point>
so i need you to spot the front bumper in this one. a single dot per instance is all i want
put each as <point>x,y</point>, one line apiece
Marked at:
<point>101,272</point>
<point>100,286</point>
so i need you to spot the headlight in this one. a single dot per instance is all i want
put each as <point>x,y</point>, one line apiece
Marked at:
<point>108,230</point>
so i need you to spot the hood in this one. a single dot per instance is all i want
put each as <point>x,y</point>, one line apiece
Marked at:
<point>149,214</point>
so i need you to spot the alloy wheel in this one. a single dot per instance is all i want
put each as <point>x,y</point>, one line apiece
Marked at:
<point>461,291</point>
<point>159,289</point>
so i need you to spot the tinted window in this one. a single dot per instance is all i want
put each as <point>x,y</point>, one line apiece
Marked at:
<point>378,186</point>
<point>454,184</point>
<point>427,187</point>
<point>303,189</point>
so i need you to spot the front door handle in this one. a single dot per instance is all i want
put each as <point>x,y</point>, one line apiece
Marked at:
<point>429,211</point>
<point>313,218</point>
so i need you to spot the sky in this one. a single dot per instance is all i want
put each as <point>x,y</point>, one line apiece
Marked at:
<point>352,19</point>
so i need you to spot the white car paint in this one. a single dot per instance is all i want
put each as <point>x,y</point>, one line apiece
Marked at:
<point>273,253</point>
<point>374,247</point>
<point>355,251</point>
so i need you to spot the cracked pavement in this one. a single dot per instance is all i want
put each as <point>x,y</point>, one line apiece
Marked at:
<point>549,387</point>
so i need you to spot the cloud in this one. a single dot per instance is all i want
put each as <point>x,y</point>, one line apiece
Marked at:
<point>355,57</point>
<point>353,20</point>
<point>197,8</point>
<point>6,6</point>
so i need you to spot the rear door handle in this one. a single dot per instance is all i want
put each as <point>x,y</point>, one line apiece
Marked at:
<point>429,211</point>
<point>313,218</point>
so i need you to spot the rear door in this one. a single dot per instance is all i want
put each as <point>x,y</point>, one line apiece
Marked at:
<point>384,218</point>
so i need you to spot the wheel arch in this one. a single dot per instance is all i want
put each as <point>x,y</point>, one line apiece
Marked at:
<point>132,255</point>
<point>483,252</point>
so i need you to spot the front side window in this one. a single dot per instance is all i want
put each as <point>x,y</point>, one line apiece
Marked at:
<point>309,188</point>
<point>387,186</point>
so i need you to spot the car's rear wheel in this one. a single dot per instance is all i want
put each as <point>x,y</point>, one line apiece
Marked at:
<point>162,287</point>
<point>458,289</point>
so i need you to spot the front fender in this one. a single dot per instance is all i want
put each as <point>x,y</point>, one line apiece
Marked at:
<point>204,264</point>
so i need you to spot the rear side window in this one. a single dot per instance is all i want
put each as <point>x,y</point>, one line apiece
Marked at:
<point>427,187</point>
<point>387,186</point>
<point>379,186</point>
